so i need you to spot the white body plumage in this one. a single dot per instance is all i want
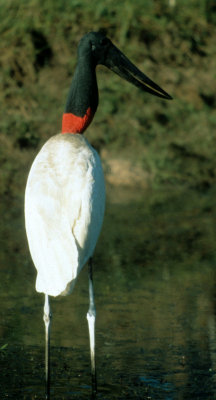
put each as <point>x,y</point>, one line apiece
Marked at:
<point>64,208</point>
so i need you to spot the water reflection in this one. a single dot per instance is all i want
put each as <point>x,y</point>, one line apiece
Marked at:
<point>155,296</point>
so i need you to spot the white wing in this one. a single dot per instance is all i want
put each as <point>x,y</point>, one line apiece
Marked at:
<point>64,207</point>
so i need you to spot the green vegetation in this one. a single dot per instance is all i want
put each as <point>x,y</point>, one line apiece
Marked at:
<point>172,141</point>
<point>3,347</point>
<point>174,47</point>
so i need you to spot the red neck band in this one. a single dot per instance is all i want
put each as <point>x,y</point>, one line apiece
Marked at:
<point>73,124</point>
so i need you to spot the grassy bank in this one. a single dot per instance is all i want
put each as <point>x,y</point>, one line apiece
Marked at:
<point>172,142</point>
<point>174,47</point>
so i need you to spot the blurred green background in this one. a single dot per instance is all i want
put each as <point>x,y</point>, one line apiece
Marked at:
<point>159,162</point>
<point>145,142</point>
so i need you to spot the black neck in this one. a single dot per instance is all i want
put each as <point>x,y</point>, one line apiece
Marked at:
<point>83,92</point>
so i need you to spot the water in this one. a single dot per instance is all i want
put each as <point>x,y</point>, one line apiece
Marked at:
<point>154,280</point>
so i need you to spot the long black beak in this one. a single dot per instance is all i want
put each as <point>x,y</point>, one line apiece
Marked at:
<point>122,66</point>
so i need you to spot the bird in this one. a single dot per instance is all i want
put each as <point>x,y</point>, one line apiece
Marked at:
<point>65,190</point>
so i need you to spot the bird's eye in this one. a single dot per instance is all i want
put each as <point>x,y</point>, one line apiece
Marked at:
<point>93,47</point>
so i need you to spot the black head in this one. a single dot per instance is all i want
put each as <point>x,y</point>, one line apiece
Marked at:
<point>100,50</point>
<point>95,45</point>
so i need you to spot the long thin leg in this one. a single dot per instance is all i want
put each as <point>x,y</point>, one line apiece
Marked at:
<point>47,321</point>
<point>91,315</point>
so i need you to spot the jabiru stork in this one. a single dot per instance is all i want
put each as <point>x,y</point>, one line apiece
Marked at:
<point>65,191</point>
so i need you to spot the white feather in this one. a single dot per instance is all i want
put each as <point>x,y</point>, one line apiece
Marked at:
<point>64,208</point>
